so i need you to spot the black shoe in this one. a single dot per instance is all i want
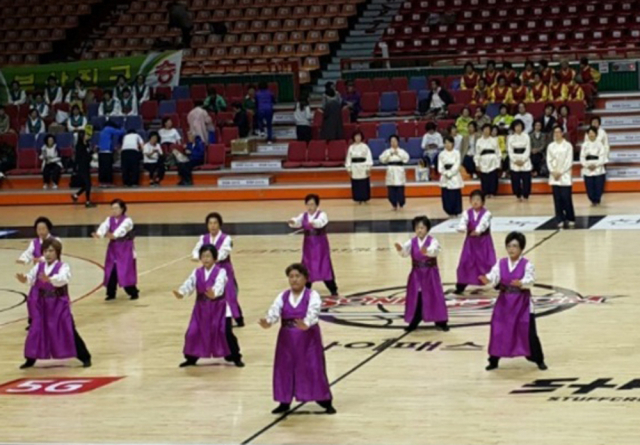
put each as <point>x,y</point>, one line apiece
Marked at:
<point>410,328</point>
<point>28,364</point>
<point>187,363</point>
<point>90,205</point>
<point>442,327</point>
<point>110,297</point>
<point>134,297</point>
<point>86,364</point>
<point>239,363</point>
<point>282,408</point>
<point>331,410</point>
<point>240,322</point>
<point>491,367</point>
<point>542,366</point>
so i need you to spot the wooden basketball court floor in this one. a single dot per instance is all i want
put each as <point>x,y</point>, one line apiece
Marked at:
<point>389,387</point>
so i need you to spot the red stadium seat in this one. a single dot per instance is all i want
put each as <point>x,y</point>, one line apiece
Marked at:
<point>408,103</point>
<point>407,129</point>
<point>229,134</point>
<point>317,154</point>
<point>216,157</point>
<point>336,154</point>
<point>370,103</point>
<point>296,154</point>
<point>368,129</point>
<point>149,110</point>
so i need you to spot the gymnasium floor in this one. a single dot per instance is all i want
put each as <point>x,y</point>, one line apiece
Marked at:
<point>389,387</point>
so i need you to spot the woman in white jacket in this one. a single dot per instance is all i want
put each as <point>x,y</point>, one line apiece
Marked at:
<point>488,160</point>
<point>450,178</point>
<point>559,162</point>
<point>395,157</point>
<point>358,163</point>
<point>519,151</point>
<point>593,157</point>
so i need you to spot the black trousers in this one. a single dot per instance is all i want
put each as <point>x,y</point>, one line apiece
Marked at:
<point>185,170</point>
<point>361,189</point>
<point>563,203</point>
<point>232,341</point>
<point>51,174</point>
<point>331,286</point>
<point>303,133</point>
<point>82,353</point>
<point>535,347</point>
<point>396,195</point>
<point>595,187</point>
<point>452,201</point>
<point>417,315</point>
<point>156,171</point>
<point>130,160</point>
<point>489,183</point>
<point>521,184</point>
<point>186,37</point>
<point>105,168</point>
<point>112,286</point>
<point>469,165</point>
<point>538,162</point>
<point>84,173</point>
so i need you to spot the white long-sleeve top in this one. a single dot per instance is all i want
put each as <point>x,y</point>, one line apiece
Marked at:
<point>169,136</point>
<point>559,160</point>
<point>483,225</point>
<point>317,223</point>
<point>121,231</point>
<point>396,175</point>
<point>60,279</point>
<point>520,141</point>
<point>132,141</point>
<point>313,311</point>
<point>527,120</point>
<point>50,155</point>
<point>432,251</point>
<point>27,256</point>
<point>20,99</point>
<point>457,142</point>
<point>303,116</point>
<point>82,93</point>
<point>593,148</point>
<point>189,286</point>
<point>223,252</point>
<point>117,109</point>
<point>143,96</point>
<point>432,141</point>
<point>151,153</point>
<point>527,280</point>
<point>55,99</point>
<point>603,138</point>
<point>359,170</point>
<point>450,178</point>
<point>488,162</point>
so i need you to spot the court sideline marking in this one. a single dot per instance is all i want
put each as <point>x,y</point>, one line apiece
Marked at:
<point>379,351</point>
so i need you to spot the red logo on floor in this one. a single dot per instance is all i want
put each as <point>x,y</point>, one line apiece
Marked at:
<point>55,386</point>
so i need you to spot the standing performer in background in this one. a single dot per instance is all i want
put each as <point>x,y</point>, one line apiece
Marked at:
<point>425,298</point>
<point>120,264</point>
<point>358,163</point>
<point>299,370</point>
<point>224,245</point>
<point>52,334</point>
<point>560,162</point>
<point>450,179</point>
<point>593,157</point>
<point>478,254</point>
<point>395,157</point>
<point>513,323</point>
<point>316,253</point>
<point>210,333</point>
<point>519,149</point>
<point>488,160</point>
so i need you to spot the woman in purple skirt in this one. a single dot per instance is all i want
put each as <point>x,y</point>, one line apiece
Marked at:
<point>224,245</point>
<point>120,267</point>
<point>478,254</point>
<point>316,253</point>
<point>513,324</point>
<point>52,334</point>
<point>425,297</point>
<point>299,370</point>
<point>210,333</point>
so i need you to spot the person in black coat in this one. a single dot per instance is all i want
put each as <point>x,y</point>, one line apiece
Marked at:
<point>83,166</point>
<point>437,101</point>
<point>548,120</point>
<point>241,120</point>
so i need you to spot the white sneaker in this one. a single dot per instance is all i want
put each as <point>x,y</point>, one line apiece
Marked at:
<point>561,225</point>
<point>55,187</point>
<point>572,224</point>
<point>45,187</point>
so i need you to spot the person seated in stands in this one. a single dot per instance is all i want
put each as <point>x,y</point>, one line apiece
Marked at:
<point>481,117</point>
<point>470,78</point>
<point>110,106</point>
<point>52,92</point>
<point>462,123</point>
<point>519,92</point>
<point>539,143</point>
<point>74,100</point>
<point>241,120</point>
<point>214,102</point>
<point>490,74</point>
<point>509,73</point>
<point>76,122</point>
<point>193,156</point>
<point>549,119</point>
<point>457,138</point>
<point>438,99</point>
<point>352,102</point>
<point>566,73</point>
<point>563,118</point>
<point>17,96</point>
<point>77,92</point>
<point>545,71</point>
<point>153,159</point>
<point>5,122</point>
<point>588,74</point>
<point>575,92</point>
<point>481,93</point>
<point>168,134</point>
<point>141,90</point>
<point>40,105</point>
<point>35,124</point>
<point>527,75</point>
<point>557,90</point>
<point>432,144</point>
<point>503,121</point>
<point>51,163</point>
<point>501,92</point>
<point>121,85</point>
<point>525,117</point>
<point>539,92</point>
<point>128,104</point>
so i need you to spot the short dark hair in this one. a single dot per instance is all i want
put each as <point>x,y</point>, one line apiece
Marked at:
<point>491,62</point>
<point>553,107</point>
<point>357,132</point>
<point>517,236</point>
<point>502,78</point>
<point>517,81</point>
<point>517,122</point>
<point>237,105</point>
<point>76,107</point>
<point>503,106</point>
<point>448,139</point>
<point>485,126</point>
<point>474,125</point>
<point>49,136</point>
<point>52,242</point>
<point>44,220</point>
<point>430,126</point>
<point>126,90</point>
<point>507,65</point>
<point>596,118</point>
<point>213,91</point>
<point>52,77</point>
<point>468,64</point>
<point>312,196</point>
<point>479,193</point>
<point>422,219</point>
<point>165,120</point>
<point>154,133</point>
<point>208,248</point>
<point>556,127</point>
<point>528,63</point>
<point>299,267</point>
<point>544,63</point>
<point>396,137</point>
<point>214,215</point>
<point>107,92</point>
<point>538,121</point>
<point>592,128</point>
<point>436,81</point>
<point>121,204</point>
<point>584,61</point>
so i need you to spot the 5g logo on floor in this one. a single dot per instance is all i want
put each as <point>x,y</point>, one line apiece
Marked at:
<point>55,386</point>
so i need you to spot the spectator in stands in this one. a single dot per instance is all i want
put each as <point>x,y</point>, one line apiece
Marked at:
<point>83,155</point>
<point>358,163</point>
<point>545,71</point>
<point>154,159</point>
<point>5,122</point>
<point>51,163</point>
<point>432,144</point>
<point>563,118</point>
<point>481,117</point>
<point>457,138</point>
<point>539,143</point>
<point>539,92</point>
<point>468,149</point>
<point>265,101</point>
<point>179,17</point>
<point>509,73</point>
<point>557,90</point>
<point>490,74</point>
<point>74,101</point>
<point>35,124</point>
<point>141,90</point>
<point>488,161</point>
<point>76,122</point>
<point>130,154</point>
<point>525,117</point>
<point>589,75</point>
<point>352,101</point>
<point>214,102</point>
<point>566,73</point>
<point>168,134</point>
<point>438,100</point>
<point>128,104</point>
<point>335,95</point>
<point>106,147</point>
<point>593,157</point>
<point>110,106</point>
<point>503,121</point>
<point>519,153</point>
<point>17,96</point>
<point>240,120</point>
<point>526,76</point>
<point>575,93</point>
<point>481,93</point>
<point>40,105</point>
<point>549,119</point>
<point>121,85</point>
<point>395,157</point>
<point>201,124</point>
<point>249,102</point>
<point>462,123</point>
<point>78,89</point>
<point>303,118</point>
<point>332,125</point>
<point>501,92</point>
<point>502,145</point>
<point>194,153</point>
<point>470,77</point>
<point>519,92</point>
<point>53,92</point>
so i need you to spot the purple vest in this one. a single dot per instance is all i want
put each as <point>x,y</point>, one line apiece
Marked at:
<point>418,259</point>
<point>507,277</point>
<point>309,230</point>
<point>114,223</point>
<point>37,248</point>
<point>206,240</point>
<point>473,223</point>
<point>202,285</point>
<point>48,289</point>
<point>289,313</point>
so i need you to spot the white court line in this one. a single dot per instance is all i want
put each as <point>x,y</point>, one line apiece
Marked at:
<point>162,266</point>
